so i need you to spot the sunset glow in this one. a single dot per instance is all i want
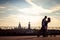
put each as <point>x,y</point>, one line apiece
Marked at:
<point>24,11</point>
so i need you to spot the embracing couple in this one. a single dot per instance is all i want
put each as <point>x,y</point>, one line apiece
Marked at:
<point>45,22</point>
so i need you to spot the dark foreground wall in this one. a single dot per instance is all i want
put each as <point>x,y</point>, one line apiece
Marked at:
<point>26,32</point>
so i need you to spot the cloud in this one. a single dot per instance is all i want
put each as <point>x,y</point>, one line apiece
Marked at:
<point>10,20</point>
<point>2,12</point>
<point>33,11</point>
<point>8,10</point>
<point>13,20</point>
<point>1,7</point>
<point>9,7</point>
<point>49,7</point>
<point>31,3</point>
<point>19,3</point>
<point>46,3</point>
<point>12,11</point>
<point>55,8</point>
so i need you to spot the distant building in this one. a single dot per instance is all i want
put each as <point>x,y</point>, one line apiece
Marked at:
<point>29,30</point>
<point>19,26</point>
<point>29,25</point>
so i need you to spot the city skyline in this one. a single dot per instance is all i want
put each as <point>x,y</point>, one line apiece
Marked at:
<point>14,11</point>
<point>26,27</point>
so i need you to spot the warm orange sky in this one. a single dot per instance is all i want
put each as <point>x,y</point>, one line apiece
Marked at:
<point>23,11</point>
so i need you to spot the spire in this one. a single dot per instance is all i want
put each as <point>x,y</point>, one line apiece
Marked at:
<point>19,26</point>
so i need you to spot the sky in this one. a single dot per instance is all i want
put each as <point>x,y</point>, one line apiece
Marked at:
<point>14,11</point>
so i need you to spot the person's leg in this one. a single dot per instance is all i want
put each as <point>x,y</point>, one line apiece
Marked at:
<point>45,33</point>
<point>38,33</point>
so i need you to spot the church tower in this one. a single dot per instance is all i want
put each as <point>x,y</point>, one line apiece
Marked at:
<point>29,25</point>
<point>19,26</point>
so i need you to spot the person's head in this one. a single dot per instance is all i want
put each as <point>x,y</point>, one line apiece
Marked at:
<point>49,19</point>
<point>45,17</point>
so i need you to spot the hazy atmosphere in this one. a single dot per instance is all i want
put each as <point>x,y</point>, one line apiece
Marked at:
<point>14,11</point>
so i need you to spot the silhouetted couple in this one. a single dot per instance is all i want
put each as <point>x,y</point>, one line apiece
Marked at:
<point>45,22</point>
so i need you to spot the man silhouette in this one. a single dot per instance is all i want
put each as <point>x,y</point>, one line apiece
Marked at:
<point>43,28</point>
